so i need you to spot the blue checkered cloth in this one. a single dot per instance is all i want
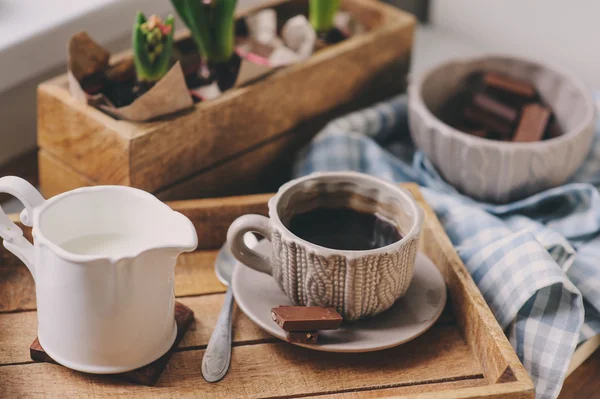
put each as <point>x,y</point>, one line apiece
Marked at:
<point>536,261</point>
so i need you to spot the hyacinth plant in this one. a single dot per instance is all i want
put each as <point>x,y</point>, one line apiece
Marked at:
<point>152,47</point>
<point>322,13</point>
<point>212,26</point>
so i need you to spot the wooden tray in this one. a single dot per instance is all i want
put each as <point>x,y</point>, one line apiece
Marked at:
<point>464,355</point>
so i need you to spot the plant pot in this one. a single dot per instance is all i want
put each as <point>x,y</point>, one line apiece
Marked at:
<point>234,143</point>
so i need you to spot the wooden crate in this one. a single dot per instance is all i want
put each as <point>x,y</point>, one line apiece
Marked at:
<point>464,355</point>
<point>241,136</point>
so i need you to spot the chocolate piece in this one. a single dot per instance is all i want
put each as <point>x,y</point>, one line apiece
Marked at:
<point>553,130</point>
<point>490,105</point>
<point>478,132</point>
<point>479,117</point>
<point>495,107</point>
<point>532,125</point>
<point>473,83</point>
<point>302,337</point>
<point>306,318</point>
<point>510,85</point>
<point>513,101</point>
<point>452,111</point>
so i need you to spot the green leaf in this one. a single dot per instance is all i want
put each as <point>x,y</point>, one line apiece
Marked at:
<point>211,25</point>
<point>193,14</point>
<point>223,30</point>
<point>140,18</point>
<point>322,13</point>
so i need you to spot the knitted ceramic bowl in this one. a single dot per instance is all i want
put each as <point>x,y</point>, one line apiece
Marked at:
<point>498,171</point>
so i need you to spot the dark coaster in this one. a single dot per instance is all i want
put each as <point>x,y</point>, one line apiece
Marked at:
<point>147,375</point>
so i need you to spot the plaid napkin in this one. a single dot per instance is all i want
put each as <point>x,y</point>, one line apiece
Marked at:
<point>536,261</point>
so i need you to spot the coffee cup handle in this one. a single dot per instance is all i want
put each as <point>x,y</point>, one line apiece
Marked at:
<point>235,237</point>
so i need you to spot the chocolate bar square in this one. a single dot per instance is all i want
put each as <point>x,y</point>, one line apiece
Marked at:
<point>306,318</point>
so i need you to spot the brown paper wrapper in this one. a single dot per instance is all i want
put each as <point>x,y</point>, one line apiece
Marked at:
<point>85,57</point>
<point>251,72</point>
<point>167,96</point>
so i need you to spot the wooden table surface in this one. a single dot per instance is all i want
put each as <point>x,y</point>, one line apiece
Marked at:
<point>585,381</point>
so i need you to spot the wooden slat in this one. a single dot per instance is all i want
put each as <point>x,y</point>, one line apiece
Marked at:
<point>513,390</point>
<point>267,370</point>
<point>18,332</point>
<point>441,387</point>
<point>262,168</point>
<point>195,274</point>
<point>17,289</point>
<point>212,217</point>
<point>20,329</point>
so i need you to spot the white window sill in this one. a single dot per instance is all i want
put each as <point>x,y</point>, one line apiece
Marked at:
<point>34,33</point>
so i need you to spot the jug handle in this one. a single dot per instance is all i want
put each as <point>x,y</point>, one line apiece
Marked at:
<point>12,234</point>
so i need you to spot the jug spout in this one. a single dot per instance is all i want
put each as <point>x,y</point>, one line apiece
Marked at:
<point>182,233</point>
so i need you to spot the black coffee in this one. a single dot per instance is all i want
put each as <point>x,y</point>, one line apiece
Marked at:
<point>345,229</point>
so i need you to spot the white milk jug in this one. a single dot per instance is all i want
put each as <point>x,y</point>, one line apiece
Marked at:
<point>103,261</point>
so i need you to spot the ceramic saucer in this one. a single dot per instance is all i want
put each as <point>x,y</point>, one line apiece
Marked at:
<point>257,293</point>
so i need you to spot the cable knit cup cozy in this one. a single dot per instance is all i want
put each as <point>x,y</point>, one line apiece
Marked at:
<point>357,283</point>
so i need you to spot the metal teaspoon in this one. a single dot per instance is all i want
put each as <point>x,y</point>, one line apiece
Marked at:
<point>217,356</point>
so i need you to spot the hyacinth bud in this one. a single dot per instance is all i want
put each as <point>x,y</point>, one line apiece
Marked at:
<point>152,47</point>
